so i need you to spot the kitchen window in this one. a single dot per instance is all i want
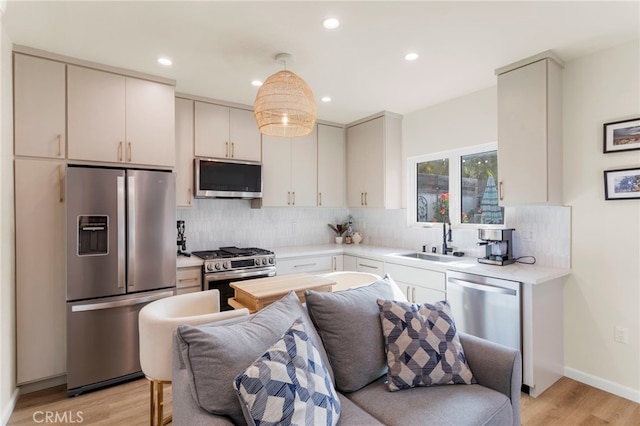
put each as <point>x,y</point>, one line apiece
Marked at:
<point>459,186</point>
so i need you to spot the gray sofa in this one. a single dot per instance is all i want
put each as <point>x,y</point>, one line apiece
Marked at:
<point>206,359</point>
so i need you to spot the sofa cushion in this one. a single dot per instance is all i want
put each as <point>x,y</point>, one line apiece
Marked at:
<point>214,354</point>
<point>423,347</point>
<point>348,322</point>
<point>289,384</point>
<point>434,405</point>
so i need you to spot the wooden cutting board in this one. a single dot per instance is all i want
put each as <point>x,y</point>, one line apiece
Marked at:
<point>260,292</point>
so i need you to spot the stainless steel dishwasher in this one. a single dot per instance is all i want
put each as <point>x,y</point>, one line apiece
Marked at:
<point>486,307</point>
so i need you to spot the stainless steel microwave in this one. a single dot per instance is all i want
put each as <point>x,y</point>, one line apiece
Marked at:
<point>218,178</point>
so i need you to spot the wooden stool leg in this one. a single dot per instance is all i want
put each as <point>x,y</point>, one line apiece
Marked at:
<point>156,403</point>
<point>151,401</point>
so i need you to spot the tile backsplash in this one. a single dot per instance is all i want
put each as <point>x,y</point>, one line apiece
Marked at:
<point>541,231</point>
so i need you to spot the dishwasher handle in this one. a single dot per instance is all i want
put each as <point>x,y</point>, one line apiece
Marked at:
<point>483,287</point>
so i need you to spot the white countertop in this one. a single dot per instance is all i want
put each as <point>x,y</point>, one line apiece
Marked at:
<point>530,274</point>
<point>188,262</point>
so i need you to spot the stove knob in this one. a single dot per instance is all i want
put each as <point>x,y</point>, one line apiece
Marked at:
<point>256,262</point>
<point>263,261</point>
<point>271,260</point>
<point>209,267</point>
<point>225,265</point>
<point>217,266</point>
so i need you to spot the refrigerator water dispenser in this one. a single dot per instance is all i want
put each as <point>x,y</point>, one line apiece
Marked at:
<point>93,235</point>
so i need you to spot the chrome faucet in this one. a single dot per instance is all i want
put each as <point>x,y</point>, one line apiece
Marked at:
<point>446,236</point>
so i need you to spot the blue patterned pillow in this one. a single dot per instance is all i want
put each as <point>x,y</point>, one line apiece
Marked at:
<point>423,348</point>
<point>288,385</point>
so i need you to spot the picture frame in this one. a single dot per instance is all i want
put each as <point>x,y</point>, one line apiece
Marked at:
<point>621,135</point>
<point>622,184</point>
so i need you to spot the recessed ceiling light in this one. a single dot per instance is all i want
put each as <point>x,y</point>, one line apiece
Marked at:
<point>411,56</point>
<point>165,61</point>
<point>331,23</point>
<point>256,83</point>
<point>326,99</point>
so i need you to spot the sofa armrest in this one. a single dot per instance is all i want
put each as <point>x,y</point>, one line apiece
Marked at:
<point>496,367</point>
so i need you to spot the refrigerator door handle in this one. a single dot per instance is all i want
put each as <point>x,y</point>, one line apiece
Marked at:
<point>121,231</point>
<point>120,303</point>
<point>131,222</point>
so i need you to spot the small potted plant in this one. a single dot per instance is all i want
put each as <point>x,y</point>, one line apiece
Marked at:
<point>339,229</point>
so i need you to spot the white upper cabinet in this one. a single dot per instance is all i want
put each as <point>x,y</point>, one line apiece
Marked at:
<point>184,152</point>
<point>530,132</point>
<point>39,107</point>
<point>224,132</point>
<point>331,166</point>
<point>374,150</point>
<point>119,119</point>
<point>289,171</point>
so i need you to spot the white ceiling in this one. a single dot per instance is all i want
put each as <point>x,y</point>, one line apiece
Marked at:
<point>218,48</point>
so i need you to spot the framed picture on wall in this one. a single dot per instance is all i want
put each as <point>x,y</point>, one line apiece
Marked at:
<point>623,184</point>
<point>622,135</point>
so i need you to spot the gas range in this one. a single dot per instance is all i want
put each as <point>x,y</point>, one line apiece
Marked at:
<point>230,264</point>
<point>234,258</point>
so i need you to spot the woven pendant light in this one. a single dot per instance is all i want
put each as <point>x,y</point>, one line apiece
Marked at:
<point>284,104</point>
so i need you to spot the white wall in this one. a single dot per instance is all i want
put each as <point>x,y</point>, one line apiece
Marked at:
<point>604,288</point>
<point>8,392</point>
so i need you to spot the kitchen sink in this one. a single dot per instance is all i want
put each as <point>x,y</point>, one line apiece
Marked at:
<point>428,256</point>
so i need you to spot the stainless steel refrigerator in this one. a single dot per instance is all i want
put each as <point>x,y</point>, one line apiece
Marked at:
<point>120,256</point>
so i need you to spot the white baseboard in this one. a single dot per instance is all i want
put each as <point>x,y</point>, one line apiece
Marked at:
<point>602,384</point>
<point>8,410</point>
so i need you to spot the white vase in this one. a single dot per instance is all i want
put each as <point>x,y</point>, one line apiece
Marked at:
<point>338,240</point>
<point>356,237</point>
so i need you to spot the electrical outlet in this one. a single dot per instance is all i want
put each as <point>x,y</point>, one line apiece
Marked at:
<point>621,334</point>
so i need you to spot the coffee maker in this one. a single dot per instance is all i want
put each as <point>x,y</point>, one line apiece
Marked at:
<point>182,240</point>
<point>498,246</point>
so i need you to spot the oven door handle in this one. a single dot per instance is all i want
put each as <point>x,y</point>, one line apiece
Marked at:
<point>232,275</point>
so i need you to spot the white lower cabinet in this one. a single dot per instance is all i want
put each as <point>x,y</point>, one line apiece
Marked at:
<point>189,280</point>
<point>40,284</point>
<point>362,264</point>
<point>419,285</point>
<point>309,264</point>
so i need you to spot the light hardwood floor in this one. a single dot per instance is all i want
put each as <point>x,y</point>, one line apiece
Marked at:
<point>566,403</point>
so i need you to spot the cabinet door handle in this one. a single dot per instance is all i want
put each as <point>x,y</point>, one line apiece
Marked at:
<point>413,295</point>
<point>362,198</point>
<point>226,149</point>
<point>501,194</point>
<point>334,266</point>
<point>288,198</point>
<point>187,280</point>
<point>60,183</point>
<point>408,298</point>
<point>129,153</point>
<point>365,199</point>
<point>319,198</point>
<point>233,149</point>
<point>364,265</point>
<point>59,138</point>
<point>120,151</point>
<point>293,198</point>
<point>305,265</point>
<point>189,196</point>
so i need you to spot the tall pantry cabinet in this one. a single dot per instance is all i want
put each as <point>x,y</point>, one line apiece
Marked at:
<point>39,116</point>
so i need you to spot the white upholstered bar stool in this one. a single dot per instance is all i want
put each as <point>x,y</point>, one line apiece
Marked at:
<point>349,279</point>
<point>157,322</point>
